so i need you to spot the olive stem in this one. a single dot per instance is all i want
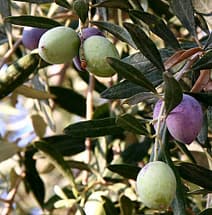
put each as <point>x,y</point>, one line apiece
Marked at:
<point>89,115</point>
<point>157,138</point>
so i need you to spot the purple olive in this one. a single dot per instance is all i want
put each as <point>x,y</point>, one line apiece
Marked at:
<point>91,31</point>
<point>184,122</point>
<point>85,34</point>
<point>31,37</point>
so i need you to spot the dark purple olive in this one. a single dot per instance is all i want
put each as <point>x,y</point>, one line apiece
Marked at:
<point>91,31</point>
<point>31,37</point>
<point>184,122</point>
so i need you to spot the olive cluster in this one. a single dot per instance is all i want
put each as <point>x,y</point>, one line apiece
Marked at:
<point>88,49</point>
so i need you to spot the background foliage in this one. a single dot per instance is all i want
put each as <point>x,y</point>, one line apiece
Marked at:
<point>64,138</point>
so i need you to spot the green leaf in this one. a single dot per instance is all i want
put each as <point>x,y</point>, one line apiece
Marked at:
<point>118,31</point>
<point>173,92</point>
<point>185,13</point>
<point>81,7</point>
<point>125,170</point>
<point>5,8</point>
<point>32,177</point>
<point>132,124</point>
<point>196,174</point>
<point>66,145</point>
<point>207,211</point>
<point>205,62</point>
<point>94,128</point>
<point>145,45</point>
<point>122,90</point>
<point>205,98</point>
<point>126,205</point>
<point>131,73</point>
<point>208,42</point>
<point>63,3</point>
<point>17,73</point>
<point>69,100</point>
<point>136,152</point>
<point>33,21</point>
<point>121,4</point>
<point>179,202</point>
<point>7,150</point>
<point>158,27</point>
<point>109,206</point>
<point>57,160</point>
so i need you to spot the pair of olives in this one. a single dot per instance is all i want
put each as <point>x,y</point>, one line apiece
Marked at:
<point>62,44</point>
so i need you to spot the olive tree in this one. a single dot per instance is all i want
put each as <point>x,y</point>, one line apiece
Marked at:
<point>105,107</point>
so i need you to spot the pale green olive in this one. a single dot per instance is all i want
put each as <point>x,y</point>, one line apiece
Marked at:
<point>156,185</point>
<point>59,45</point>
<point>95,50</point>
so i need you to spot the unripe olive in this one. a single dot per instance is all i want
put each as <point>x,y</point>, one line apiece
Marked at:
<point>184,122</point>
<point>31,37</point>
<point>59,45</point>
<point>94,204</point>
<point>96,49</point>
<point>156,185</point>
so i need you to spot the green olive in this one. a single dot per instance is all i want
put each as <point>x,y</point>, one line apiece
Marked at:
<point>156,185</point>
<point>59,45</point>
<point>96,49</point>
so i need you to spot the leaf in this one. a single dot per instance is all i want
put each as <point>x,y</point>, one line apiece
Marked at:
<point>66,145</point>
<point>196,174</point>
<point>109,206</point>
<point>140,97</point>
<point>132,124</point>
<point>136,152</point>
<point>94,128</point>
<point>39,125</point>
<point>205,62</point>
<point>185,13</point>
<point>173,92</point>
<point>81,7</point>
<point>208,42</point>
<point>32,177</point>
<point>5,8</point>
<point>158,27</point>
<point>7,150</point>
<point>37,1</point>
<point>179,202</point>
<point>145,45</point>
<point>69,100</point>
<point>205,98</point>
<point>125,170</point>
<point>121,4</point>
<point>122,90</point>
<point>33,21</point>
<point>207,211</point>
<point>63,3</point>
<point>131,73</point>
<point>33,93</point>
<point>57,160</point>
<point>118,31</point>
<point>126,205</point>
<point>17,73</point>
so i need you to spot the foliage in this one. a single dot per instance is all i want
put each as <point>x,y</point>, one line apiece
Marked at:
<point>66,134</point>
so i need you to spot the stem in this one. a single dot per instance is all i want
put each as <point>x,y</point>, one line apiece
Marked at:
<point>89,115</point>
<point>157,138</point>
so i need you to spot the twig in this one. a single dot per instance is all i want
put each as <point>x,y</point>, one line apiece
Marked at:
<point>11,195</point>
<point>10,52</point>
